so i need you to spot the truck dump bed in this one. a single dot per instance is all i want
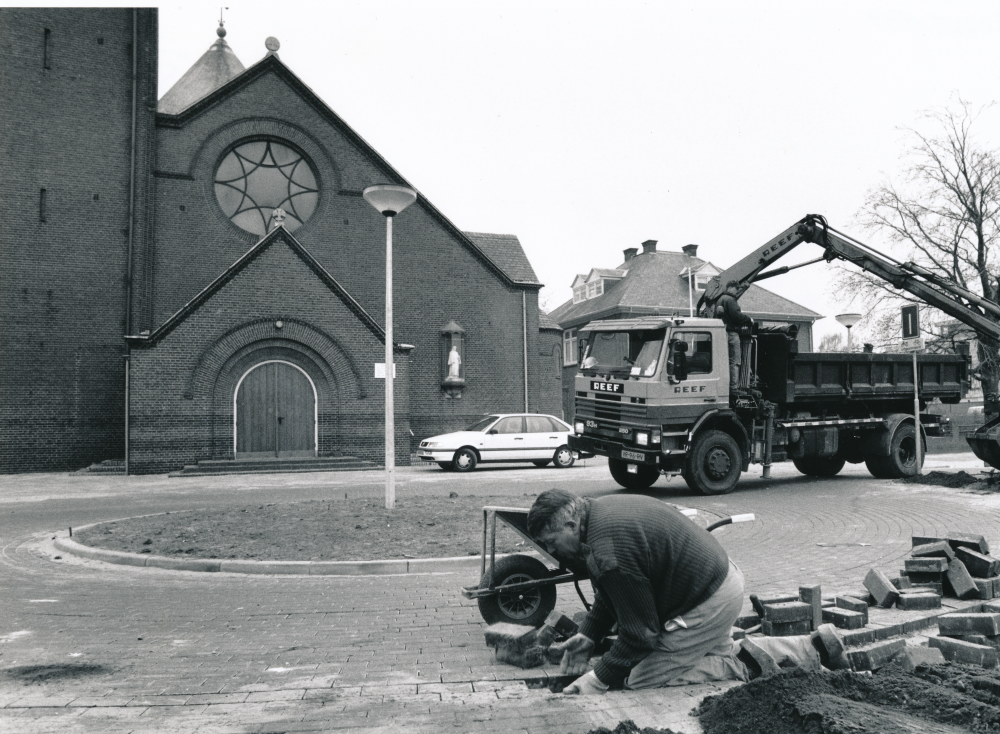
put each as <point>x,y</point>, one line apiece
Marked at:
<point>788,377</point>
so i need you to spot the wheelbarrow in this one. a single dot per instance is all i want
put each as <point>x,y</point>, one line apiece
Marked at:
<point>985,442</point>
<point>521,589</point>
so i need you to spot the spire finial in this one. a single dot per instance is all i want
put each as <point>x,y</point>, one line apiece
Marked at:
<point>272,45</point>
<point>221,30</point>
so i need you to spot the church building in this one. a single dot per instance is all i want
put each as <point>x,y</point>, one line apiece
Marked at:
<point>198,277</point>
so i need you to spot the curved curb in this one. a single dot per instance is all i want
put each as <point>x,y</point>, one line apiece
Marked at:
<point>302,568</point>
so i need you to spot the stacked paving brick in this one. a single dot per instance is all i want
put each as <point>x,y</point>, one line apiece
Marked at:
<point>958,565</point>
<point>970,637</point>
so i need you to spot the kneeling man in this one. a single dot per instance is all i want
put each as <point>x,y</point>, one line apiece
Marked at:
<point>666,581</point>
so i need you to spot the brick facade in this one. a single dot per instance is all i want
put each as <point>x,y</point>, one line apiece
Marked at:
<point>67,285</point>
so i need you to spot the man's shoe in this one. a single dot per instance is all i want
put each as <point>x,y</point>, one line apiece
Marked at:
<point>758,661</point>
<point>830,646</point>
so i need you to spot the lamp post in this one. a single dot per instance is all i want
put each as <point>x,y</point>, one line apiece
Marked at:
<point>849,320</point>
<point>389,200</point>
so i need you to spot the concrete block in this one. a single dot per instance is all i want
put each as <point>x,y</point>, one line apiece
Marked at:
<point>985,587</point>
<point>991,607</point>
<point>758,602</point>
<point>936,587</point>
<point>924,577</point>
<point>786,629</point>
<point>982,623</point>
<point>980,565</point>
<point>737,633</point>
<point>746,621</point>
<point>849,602</point>
<point>881,588</point>
<point>844,618</point>
<point>788,611</point>
<point>969,653</point>
<point>901,581</point>
<point>530,657</point>
<point>912,658</point>
<point>961,582</point>
<point>862,594</point>
<point>968,540</point>
<point>562,624</point>
<point>996,587</point>
<point>923,540</point>
<point>940,549</point>
<point>910,602</point>
<point>510,635</point>
<point>989,641</point>
<point>813,596</point>
<point>925,565</point>
<point>875,655</point>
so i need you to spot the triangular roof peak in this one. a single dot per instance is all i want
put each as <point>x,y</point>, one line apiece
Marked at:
<point>215,68</point>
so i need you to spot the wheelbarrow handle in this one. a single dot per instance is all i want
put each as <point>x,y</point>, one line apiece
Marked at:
<point>748,517</point>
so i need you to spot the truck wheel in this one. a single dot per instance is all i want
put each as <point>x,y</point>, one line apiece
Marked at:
<point>529,607</point>
<point>714,463</point>
<point>902,459</point>
<point>643,479</point>
<point>465,460</point>
<point>820,466</point>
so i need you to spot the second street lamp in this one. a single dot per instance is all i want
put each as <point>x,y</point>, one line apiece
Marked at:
<point>389,200</point>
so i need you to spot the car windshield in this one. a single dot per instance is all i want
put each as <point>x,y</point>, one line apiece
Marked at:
<point>623,354</point>
<point>483,423</point>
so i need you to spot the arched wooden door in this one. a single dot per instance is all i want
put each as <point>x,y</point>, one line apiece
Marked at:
<point>275,412</point>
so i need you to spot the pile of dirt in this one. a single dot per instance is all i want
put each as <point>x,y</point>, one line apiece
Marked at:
<point>945,479</point>
<point>628,727</point>
<point>359,529</point>
<point>940,698</point>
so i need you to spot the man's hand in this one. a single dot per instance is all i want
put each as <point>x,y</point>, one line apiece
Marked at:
<point>576,654</point>
<point>586,685</point>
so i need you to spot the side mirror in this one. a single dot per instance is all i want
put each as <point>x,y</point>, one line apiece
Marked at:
<point>492,432</point>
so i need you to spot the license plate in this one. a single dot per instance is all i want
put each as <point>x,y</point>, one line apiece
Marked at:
<point>633,455</point>
<point>425,453</point>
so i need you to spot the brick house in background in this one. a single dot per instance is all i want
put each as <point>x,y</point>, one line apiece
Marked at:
<point>662,284</point>
<point>142,267</point>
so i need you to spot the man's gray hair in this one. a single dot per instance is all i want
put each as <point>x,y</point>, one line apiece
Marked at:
<point>546,506</point>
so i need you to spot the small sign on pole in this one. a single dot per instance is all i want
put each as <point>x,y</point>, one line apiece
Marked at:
<point>380,370</point>
<point>911,321</point>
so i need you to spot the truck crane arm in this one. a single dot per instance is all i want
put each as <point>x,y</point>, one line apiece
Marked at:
<point>933,290</point>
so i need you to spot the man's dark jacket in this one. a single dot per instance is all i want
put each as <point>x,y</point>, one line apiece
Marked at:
<point>649,564</point>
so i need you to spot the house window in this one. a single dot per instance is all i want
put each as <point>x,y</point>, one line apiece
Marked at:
<point>701,281</point>
<point>569,347</point>
<point>580,293</point>
<point>257,177</point>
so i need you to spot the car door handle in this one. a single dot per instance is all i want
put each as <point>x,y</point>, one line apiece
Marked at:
<point>710,400</point>
<point>518,438</point>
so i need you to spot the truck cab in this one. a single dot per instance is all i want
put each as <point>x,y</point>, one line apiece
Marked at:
<point>642,384</point>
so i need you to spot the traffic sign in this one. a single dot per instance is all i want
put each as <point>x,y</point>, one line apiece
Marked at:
<point>911,321</point>
<point>913,344</point>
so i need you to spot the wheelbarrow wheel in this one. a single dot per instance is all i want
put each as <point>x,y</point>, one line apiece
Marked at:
<point>529,607</point>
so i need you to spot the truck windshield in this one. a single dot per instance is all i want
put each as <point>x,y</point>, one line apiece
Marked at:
<point>623,354</point>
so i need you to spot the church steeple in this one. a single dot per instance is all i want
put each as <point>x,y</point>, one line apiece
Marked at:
<point>216,67</point>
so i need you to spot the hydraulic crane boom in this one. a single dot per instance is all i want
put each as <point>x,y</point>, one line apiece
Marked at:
<point>928,287</point>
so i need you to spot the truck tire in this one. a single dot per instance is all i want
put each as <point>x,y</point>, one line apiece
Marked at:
<point>820,466</point>
<point>713,464</point>
<point>643,479</point>
<point>529,607</point>
<point>902,459</point>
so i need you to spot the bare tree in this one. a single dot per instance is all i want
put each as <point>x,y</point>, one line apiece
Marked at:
<point>944,215</point>
<point>831,343</point>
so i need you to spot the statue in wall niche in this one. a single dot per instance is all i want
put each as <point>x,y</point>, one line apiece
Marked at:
<point>454,363</point>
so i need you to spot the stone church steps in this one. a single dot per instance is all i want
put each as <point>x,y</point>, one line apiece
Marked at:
<point>215,467</point>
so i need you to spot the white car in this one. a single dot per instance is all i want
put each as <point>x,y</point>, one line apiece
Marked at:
<point>540,439</point>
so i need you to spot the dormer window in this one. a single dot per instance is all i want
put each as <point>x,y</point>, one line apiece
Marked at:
<point>701,281</point>
<point>580,293</point>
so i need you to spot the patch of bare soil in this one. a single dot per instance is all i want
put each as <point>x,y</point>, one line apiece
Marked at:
<point>941,699</point>
<point>28,674</point>
<point>358,529</point>
<point>946,479</point>
<point>628,727</point>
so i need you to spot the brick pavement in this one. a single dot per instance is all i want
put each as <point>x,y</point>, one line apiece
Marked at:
<point>149,650</point>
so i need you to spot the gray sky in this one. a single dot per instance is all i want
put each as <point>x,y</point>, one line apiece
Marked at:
<point>585,128</point>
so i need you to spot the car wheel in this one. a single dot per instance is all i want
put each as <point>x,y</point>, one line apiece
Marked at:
<point>447,465</point>
<point>714,463</point>
<point>465,460</point>
<point>540,464</point>
<point>529,607</point>
<point>643,479</point>
<point>563,457</point>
